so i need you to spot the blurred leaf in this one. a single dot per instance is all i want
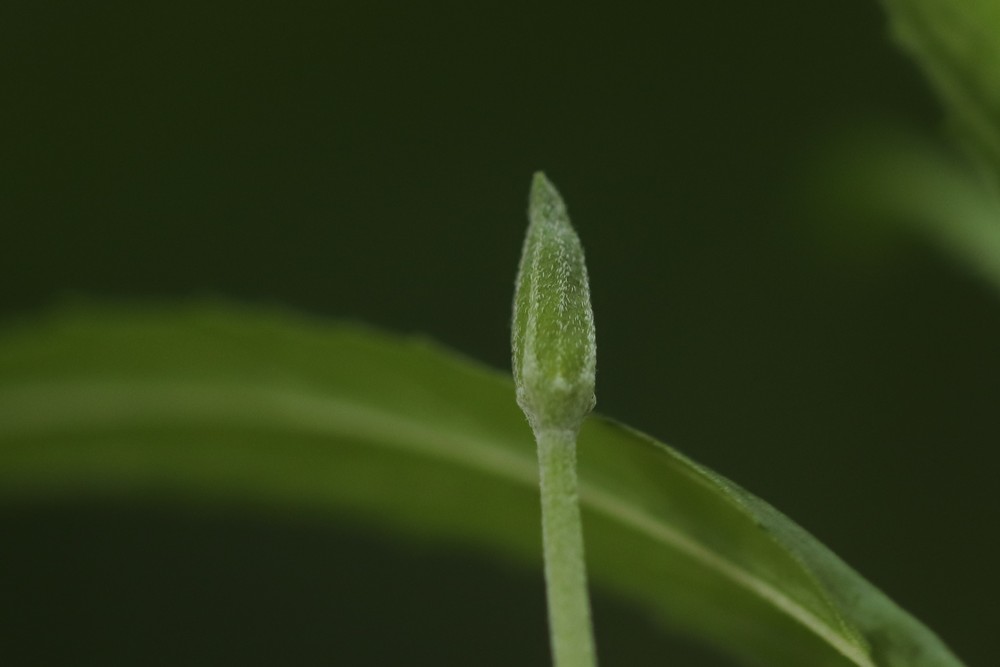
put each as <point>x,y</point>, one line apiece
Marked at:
<point>208,403</point>
<point>876,183</point>
<point>957,43</point>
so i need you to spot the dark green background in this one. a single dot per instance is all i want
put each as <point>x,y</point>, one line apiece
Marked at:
<point>371,161</point>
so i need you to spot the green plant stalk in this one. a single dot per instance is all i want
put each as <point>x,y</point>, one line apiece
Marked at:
<point>554,364</point>
<point>562,535</point>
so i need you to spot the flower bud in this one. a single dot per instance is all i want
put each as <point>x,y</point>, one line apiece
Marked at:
<point>552,338</point>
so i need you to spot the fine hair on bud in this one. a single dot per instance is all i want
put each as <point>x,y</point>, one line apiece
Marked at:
<point>553,340</point>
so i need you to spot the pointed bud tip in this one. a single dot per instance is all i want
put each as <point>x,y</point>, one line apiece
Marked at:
<point>540,181</point>
<point>545,204</point>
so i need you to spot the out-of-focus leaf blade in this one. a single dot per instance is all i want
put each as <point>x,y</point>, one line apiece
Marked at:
<point>883,182</point>
<point>215,404</point>
<point>956,44</point>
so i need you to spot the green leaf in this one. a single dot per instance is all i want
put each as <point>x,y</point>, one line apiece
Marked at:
<point>215,404</point>
<point>956,42</point>
<point>888,181</point>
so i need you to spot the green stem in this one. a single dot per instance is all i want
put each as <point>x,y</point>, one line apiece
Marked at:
<point>565,572</point>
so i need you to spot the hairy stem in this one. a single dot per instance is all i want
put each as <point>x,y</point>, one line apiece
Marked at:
<point>565,572</point>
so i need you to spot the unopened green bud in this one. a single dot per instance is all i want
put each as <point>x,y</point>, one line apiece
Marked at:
<point>554,349</point>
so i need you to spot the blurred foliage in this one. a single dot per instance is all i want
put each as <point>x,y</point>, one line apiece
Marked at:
<point>956,43</point>
<point>886,187</point>
<point>221,405</point>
